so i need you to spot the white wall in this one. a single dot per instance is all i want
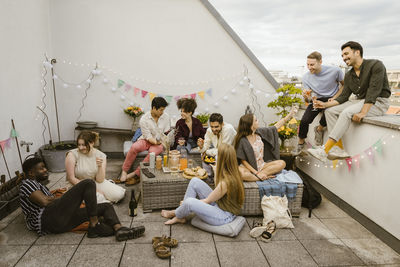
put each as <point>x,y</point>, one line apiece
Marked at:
<point>24,32</point>
<point>372,189</point>
<point>171,42</point>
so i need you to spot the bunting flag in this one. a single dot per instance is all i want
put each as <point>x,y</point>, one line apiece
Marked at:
<point>370,154</point>
<point>201,94</point>
<point>168,98</point>
<point>152,95</point>
<point>5,143</point>
<point>334,163</point>
<point>356,160</point>
<point>349,163</point>
<point>144,93</point>
<point>14,133</point>
<point>120,83</point>
<point>128,87</point>
<point>209,92</point>
<point>176,98</point>
<point>136,91</point>
<point>193,96</point>
<point>378,146</point>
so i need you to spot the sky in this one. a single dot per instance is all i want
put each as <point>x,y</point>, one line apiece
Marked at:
<point>282,33</point>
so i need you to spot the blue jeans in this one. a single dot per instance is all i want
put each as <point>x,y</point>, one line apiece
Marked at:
<point>189,145</point>
<point>209,213</point>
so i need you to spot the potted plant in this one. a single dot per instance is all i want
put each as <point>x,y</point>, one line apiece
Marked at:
<point>203,118</point>
<point>135,112</point>
<point>288,95</point>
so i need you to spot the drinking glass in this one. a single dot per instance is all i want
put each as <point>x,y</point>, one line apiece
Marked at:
<point>314,97</point>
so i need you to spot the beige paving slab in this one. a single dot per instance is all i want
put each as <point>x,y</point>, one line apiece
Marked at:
<point>3,225</point>
<point>329,210</point>
<point>243,253</point>
<point>69,238</point>
<point>141,255</point>
<point>9,255</point>
<point>151,229</point>
<point>122,211</point>
<point>244,235</point>
<point>103,240</point>
<point>331,252</point>
<point>280,234</point>
<point>194,254</point>
<point>10,217</point>
<point>20,218</point>
<point>347,228</point>
<point>286,253</point>
<point>47,255</point>
<point>304,213</point>
<point>18,234</point>
<point>372,251</point>
<point>107,255</point>
<point>307,228</point>
<point>188,233</point>
<point>154,216</point>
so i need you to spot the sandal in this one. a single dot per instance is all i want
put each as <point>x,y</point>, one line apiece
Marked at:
<point>167,241</point>
<point>118,181</point>
<point>161,251</point>
<point>268,233</point>
<point>132,181</point>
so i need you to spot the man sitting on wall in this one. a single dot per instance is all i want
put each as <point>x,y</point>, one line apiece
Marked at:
<point>45,213</point>
<point>367,80</point>
<point>218,132</point>
<point>152,124</point>
<point>321,82</point>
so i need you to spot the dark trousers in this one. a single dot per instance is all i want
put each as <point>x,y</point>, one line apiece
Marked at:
<point>308,117</point>
<point>64,213</point>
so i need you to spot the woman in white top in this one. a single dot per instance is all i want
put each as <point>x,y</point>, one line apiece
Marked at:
<point>87,162</point>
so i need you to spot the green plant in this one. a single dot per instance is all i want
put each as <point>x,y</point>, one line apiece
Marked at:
<point>288,95</point>
<point>203,117</point>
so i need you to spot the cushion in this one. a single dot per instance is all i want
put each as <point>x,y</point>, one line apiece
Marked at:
<point>231,229</point>
<point>127,146</point>
<point>138,133</point>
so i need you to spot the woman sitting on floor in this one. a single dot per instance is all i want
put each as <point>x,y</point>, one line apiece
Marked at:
<point>188,128</point>
<point>257,148</point>
<point>215,207</point>
<point>86,162</point>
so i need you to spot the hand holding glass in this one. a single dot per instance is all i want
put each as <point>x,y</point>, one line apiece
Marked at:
<point>314,98</point>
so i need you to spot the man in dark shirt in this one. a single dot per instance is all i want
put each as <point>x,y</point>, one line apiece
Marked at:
<point>367,81</point>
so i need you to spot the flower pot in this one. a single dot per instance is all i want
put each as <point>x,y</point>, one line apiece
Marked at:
<point>54,156</point>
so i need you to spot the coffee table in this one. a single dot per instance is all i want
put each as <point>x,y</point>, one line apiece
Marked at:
<point>166,190</point>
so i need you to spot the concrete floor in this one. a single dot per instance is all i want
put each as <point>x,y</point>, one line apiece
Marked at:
<point>329,238</point>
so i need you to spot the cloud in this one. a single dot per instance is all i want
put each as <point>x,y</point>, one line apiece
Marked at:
<point>282,33</point>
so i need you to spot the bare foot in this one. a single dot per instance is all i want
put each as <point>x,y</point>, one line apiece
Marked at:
<point>132,175</point>
<point>123,176</point>
<point>175,220</point>
<point>168,214</point>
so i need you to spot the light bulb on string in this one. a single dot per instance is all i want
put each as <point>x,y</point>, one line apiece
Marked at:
<point>113,89</point>
<point>258,91</point>
<point>122,97</point>
<point>130,103</point>
<point>216,104</point>
<point>65,85</point>
<point>251,86</point>
<point>105,80</point>
<point>206,109</point>
<point>241,83</point>
<point>233,91</point>
<point>88,80</point>
<point>245,78</point>
<point>79,86</point>
<point>225,98</point>
<point>55,77</point>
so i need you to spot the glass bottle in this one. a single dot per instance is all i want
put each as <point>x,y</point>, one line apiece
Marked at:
<point>133,205</point>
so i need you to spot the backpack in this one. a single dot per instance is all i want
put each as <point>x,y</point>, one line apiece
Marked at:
<point>311,197</point>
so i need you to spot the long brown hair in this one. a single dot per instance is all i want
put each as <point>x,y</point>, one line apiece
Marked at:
<point>228,172</point>
<point>244,128</point>
<point>87,137</point>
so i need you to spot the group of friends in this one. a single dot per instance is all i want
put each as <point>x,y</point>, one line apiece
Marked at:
<point>249,154</point>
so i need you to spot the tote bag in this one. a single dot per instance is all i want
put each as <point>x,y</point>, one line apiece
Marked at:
<point>276,209</point>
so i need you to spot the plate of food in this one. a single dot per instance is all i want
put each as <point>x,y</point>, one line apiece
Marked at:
<point>209,159</point>
<point>198,172</point>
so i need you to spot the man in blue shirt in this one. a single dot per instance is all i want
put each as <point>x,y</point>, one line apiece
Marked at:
<point>323,83</point>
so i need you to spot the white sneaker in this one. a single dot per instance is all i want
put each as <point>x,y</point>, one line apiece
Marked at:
<point>298,149</point>
<point>337,153</point>
<point>318,136</point>
<point>318,153</point>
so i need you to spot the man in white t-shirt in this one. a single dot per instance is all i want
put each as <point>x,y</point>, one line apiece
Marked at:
<point>323,83</point>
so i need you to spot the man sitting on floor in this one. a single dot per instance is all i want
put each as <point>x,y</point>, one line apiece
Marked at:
<point>153,125</point>
<point>368,81</point>
<point>45,213</point>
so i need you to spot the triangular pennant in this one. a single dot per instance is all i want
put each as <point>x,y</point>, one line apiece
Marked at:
<point>128,87</point>
<point>356,160</point>
<point>193,96</point>
<point>209,92</point>
<point>378,146</point>
<point>349,163</point>
<point>14,133</point>
<point>8,142</point>
<point>2,144</point>
<point>120,83</point>
<point>201,94</point>
<point>334,163</point>
<point>144,93</point>
<point>177,97</point>
<point>370,154</point>
<point>152,95</point>
<point>136,91</point>
<point>168,98</point>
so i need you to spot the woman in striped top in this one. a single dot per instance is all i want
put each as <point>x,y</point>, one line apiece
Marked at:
<point>45,213</point>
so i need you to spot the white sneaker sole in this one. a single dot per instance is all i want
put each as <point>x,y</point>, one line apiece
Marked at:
<point>257,231</point>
